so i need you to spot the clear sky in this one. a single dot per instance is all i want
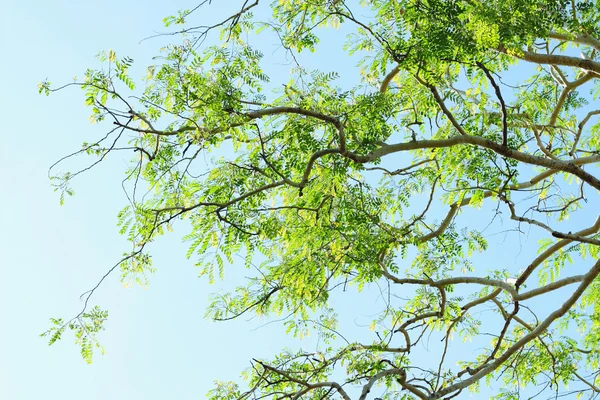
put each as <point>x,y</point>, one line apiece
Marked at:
<point>158,344</point>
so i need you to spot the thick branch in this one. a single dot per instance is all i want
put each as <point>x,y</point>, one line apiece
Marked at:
<point>292,110</point>
<point>569,166</point>
<point>388,79</point>
<point>553,249</point>
<point>453,281</point>
<point>553,59</point>
<point>402,380</point>
<point>565,93</point>
<point>588,278</point>
<point>581,39</point>
<point>550,287</point>
<point>443,226</point>
<point>308,113</point>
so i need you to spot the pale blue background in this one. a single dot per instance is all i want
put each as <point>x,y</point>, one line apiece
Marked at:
<point>157,342</point>
<point>159,346</point>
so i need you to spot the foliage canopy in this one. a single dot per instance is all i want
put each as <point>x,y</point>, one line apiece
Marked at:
<point>459,112</point>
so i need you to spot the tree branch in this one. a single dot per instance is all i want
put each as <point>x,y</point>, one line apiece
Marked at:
<point>569,166</point>
<point>588,278</point>
<point>502,104</point>
<point>554,59</point>
<point>581,39</point>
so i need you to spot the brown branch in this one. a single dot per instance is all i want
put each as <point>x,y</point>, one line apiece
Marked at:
<point>157,132</point>
<point>401,380</point>
<point>556,234</point>
<point>568,166</point>
<point>292,110</point>
<point>507,287</point>
<point>308,113</point>
<point>309,386</point>
<point>506,316</point>
<point>570,236</point>
<point>220,206</point>
<point>442,105</point>
<point>541,146</point>
<point>519,186</point>
<point>591,385</point>
<point>443,226</point>
<point>203,30</point>
<point>501,100</point>
<point>464,309</point>
<point>400,171</point>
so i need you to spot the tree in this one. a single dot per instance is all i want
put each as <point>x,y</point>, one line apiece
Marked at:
<point>461,113</point>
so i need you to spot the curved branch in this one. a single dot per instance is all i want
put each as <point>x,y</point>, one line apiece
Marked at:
<point>453,281</point>
<point>565,93</point>
<point>550,287</point>
<point>485,370</point>
<point>442,105</point>
<point>402,380</point>
<point>388,79</point>
<point>501,100</point>
<point>309,386</point>
<point>580,130</point>
<point>581,39</point>
<point>292,110</point>
<point>443,226</point>
<point>570,166</point>
<point>554,59</point>
<point>553,249</point>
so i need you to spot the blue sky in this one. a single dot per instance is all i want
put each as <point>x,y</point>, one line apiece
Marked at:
<point>158,344</point>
